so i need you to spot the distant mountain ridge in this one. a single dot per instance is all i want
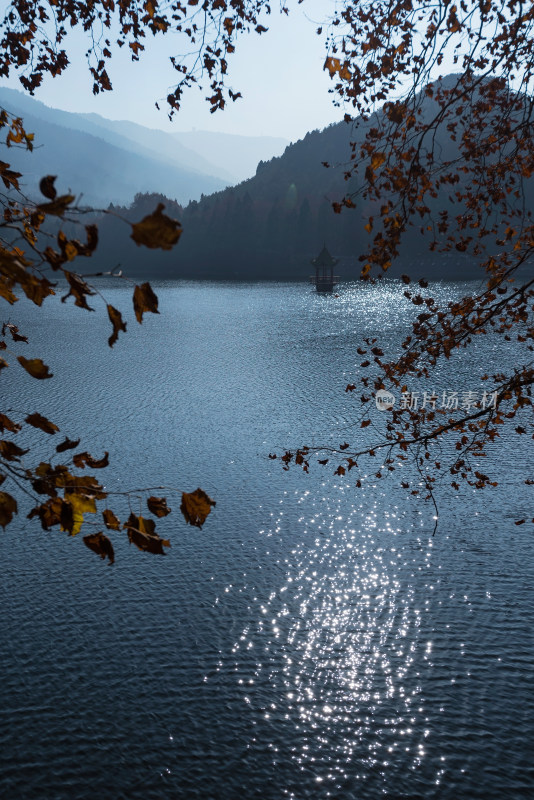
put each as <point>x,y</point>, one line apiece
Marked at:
<point>108,161</point>
<point>271,225</point>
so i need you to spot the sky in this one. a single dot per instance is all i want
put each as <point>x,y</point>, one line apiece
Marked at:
<point>280,74</point>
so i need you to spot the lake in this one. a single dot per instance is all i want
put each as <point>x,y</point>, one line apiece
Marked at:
<point>313,640</point>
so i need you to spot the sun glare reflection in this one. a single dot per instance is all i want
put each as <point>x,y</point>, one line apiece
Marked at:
<point>339,639</point>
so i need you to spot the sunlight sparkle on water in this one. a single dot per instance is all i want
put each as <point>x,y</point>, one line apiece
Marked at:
<point>344,628</point>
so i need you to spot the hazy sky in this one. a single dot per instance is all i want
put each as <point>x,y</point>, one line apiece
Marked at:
<point>280,74</point>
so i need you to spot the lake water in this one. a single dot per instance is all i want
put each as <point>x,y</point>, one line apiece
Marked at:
<point>313,640</point>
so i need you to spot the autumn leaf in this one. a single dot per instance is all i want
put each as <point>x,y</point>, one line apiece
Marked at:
<point>85,485</point>
<point>47,188</point>
<point>117,322</point>
<point>36,289</point>
<point>101,545</point>
<point>11,451</point>
<point>76,505</point>
<point>58,206</point>
<point>35,367</point>
<point>83,504</point>
<point>141,532</point>
<point>158,506</point>
<point>68,444</point>
<point>365,423</point>
<point>377,159</point>
<point>157,230</point>
<point>8,507</point>
<point>54,511</point>
<point>42,423</point>
<point>5,290</point>
<point>195,507</point>
<point>144,300</point>
<point>82,459</point>
<point>79,289</point>
<point>9,177</point>
<point>14,332</point>
<point>7,424</point>
<point>333,65</point>
<point>110,520</point>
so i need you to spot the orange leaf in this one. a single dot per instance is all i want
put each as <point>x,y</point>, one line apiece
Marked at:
<point>377,159</point>
<point>333,65</point>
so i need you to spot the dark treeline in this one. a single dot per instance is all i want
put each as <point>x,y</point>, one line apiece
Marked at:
<point>268,227</point>
<point>272,225</point>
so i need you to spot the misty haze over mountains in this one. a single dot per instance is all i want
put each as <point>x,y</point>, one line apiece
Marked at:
<point>271,225</point>
<point>268,226</point>
<point>106,161</point>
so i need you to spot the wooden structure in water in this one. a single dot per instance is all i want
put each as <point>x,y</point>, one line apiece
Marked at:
<point>324,278</point>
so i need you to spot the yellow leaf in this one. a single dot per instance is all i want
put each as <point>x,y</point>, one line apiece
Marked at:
<point>83,504</point>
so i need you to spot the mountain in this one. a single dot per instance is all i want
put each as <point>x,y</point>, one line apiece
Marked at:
<point>239,155</point>
<point>271,225</point>
<point>230,157</point>
<point>102,162</point>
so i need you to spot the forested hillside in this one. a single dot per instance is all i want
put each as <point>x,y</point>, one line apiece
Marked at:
<point>272,225</point>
